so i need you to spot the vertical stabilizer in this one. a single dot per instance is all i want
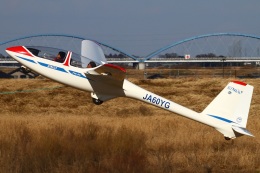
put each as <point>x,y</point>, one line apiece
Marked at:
<point>232,104</point>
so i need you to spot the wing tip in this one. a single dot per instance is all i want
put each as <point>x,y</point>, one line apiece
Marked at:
<point>115,67</point>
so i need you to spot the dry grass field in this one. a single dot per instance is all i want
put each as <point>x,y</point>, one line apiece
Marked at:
<point>48,127</point>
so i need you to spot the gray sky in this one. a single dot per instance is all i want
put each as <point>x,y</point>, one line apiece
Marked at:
<point>135,26</point>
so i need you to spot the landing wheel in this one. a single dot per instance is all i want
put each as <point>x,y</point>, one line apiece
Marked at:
<point>25,70</point>
<point>97,101</point>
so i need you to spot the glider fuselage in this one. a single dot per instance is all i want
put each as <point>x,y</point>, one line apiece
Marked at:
<point>107,81</point>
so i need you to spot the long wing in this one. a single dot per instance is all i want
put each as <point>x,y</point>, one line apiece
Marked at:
<point>91,50</point>
<point>109,74</point>
<point>107,81</point>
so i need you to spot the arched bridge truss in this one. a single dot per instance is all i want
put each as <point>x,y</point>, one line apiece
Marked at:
<point>210,47</point>
<point>231,46</point>
<point>66,42</point>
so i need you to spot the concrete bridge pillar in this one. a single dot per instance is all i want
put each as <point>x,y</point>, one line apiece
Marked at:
<point>141,65</point>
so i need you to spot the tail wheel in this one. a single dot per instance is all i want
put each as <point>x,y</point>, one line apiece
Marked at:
<point>97,101</point>
<point>227,138</point>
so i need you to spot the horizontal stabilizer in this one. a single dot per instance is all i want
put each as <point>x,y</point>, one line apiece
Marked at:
<point>242,130</point>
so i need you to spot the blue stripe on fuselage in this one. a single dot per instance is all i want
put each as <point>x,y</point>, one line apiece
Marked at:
<point>27,59</point>
<point>221,118</point>
<point>56,68</point>
<point>53,67</point>
<point>77,74</point>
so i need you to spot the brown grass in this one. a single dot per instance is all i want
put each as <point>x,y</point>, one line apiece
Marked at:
<point>61,130</point>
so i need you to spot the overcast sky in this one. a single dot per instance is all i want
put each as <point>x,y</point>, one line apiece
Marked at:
<point>135,26</point>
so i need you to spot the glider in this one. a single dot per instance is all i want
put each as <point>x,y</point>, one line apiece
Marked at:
<point>227,113</point>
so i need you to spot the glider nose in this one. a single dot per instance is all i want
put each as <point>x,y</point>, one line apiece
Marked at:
<point>13,49</point>
<point>17,49</point>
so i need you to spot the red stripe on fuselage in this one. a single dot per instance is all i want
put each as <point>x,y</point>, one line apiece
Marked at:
<point>19,49</point>
<point>67,60</point>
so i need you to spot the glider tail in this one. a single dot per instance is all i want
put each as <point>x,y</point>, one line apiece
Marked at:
<point>232,106</point>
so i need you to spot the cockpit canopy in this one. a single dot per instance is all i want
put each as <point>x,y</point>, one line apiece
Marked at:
<point>59,55</point>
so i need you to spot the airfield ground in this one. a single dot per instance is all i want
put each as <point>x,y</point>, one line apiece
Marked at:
<point>49,127</point>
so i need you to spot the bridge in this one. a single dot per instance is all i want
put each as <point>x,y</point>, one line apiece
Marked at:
<point>226,47</point>
<point>180,60</point>
<point>4,62</point>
